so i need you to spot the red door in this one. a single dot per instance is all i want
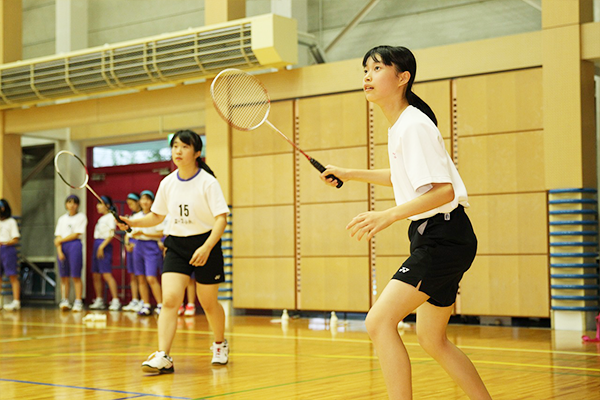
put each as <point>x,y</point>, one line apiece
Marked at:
<point>117,182</point>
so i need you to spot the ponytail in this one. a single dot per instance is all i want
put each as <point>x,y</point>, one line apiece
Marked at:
<point>417,102</point>
<point>204,166</point>
<point>403,60</point>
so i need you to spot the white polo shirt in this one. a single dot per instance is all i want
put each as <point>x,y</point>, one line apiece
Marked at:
<point>8,230</point>
<point>192,204</point>
<point>105,227</point>
<point>68,224</point>
<point>418,158</point>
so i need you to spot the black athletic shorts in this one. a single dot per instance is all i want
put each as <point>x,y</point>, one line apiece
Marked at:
<point>180,251</point>
<point>442,249</point>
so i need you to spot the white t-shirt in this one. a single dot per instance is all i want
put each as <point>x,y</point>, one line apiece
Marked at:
<point>8,230</point>
<point>192,204</point>
<point>418,158</point>
<point>133,216</point>
<point>146,231</point>
<point>67,225</point>
<point>105,227</point>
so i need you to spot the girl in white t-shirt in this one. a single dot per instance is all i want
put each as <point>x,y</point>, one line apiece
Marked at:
<point>104,232</point>
<point>67,239</point>
<point>197,210</point>
<point>430,193</point>
<point>9,237</point>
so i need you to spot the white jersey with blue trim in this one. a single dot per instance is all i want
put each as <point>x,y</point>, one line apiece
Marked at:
<point>191,204</point>
<point>68,224</point>
<point>105,227</point>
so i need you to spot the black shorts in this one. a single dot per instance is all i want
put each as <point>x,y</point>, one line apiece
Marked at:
<point>442,248</point>
<point>180,251</point>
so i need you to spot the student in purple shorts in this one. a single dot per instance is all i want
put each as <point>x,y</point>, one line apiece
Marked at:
<point>69,229</point>
<point>147,257</point>
<point>133,202</point>
<point>104,232</point>
<point>9,237</point>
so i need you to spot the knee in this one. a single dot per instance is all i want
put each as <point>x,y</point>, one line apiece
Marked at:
<point>151,280</point>
<point>375,324</point>
<point>433,344</point>
<point>171,300</point>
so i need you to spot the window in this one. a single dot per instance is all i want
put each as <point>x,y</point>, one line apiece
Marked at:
<point>131,153</point>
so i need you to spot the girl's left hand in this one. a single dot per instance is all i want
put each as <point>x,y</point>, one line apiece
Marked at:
<point>369,223</point>
<point>200,256</point>
<point>100,254</point>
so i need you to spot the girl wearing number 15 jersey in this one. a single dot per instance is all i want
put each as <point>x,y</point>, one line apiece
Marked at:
<point>194,201</point>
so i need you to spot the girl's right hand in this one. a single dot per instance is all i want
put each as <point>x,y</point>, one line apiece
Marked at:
<point>61,255</point>
<point>341,173</point>
<point>126,225</point>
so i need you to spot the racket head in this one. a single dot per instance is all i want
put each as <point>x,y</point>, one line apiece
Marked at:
<point>240,99</point>
<point>71,169</point>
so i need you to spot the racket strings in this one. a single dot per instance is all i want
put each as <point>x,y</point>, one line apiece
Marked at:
<point>240,99</point>
<point>71,170</point>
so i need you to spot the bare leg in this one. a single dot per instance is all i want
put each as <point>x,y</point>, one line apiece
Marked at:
<point>97,280</point>
<point>155,287</point>
<point>135,293</point>
<point>173,286</point>
<point>208,296</point>
<point>144,291</point>
<point>16,287</point>
<point>112,284</point>
<point>65,287</point>
<point>78,288</point>
<point>396,302</point>
<point>191,292</point>
<point>431,332</point>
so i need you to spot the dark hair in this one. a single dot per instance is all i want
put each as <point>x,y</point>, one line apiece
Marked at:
<point>193,139</point>
<point>108,202</point>
<point>404,60</point>
<point>72,197</point>
<point>5,211</point>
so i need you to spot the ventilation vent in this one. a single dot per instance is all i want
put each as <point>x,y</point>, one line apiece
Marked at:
<point>259,42</point>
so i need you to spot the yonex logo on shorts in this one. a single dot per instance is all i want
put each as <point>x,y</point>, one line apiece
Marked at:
<point>217,277</point>
<point>404,270</point>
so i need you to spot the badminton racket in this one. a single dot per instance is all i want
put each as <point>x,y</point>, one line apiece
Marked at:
<point>74,173</point>
<point>243,101</point>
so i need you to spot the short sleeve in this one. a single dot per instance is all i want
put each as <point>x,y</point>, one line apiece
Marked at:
<point>14,230</point>
<point>81,224</point>
<point>160,206</point>
<point>424,155</point>
<point>216,199</point>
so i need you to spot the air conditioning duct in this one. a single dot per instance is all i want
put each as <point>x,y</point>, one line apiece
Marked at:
<point>266,41</point>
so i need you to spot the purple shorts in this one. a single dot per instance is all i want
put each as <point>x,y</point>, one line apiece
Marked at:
<point>73,259</point>
<point>8,260</point>
<point>147,258</point>
<point>104,265</point>
<point>130,262</point>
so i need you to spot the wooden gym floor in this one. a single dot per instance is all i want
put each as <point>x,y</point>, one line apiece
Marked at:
<point>48,354</point>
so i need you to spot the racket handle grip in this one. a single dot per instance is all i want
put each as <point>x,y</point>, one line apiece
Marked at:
<point>119,220</point>
<point>321,168</point>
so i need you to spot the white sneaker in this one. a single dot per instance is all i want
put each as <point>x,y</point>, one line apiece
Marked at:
<point>138,306</point>
<point>98,304</point>
<point>220,353</point>
<point>158,363</point>
<point>115,304</point>
<point>77,306</point>
<point>15,305</point>
<point>145,310</point>
<point>158,309</point>
<point>190,310</point>
<point>131,306</point>
<point>64,305</point>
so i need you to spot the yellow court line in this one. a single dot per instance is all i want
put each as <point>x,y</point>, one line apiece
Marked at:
<point>308,338</point>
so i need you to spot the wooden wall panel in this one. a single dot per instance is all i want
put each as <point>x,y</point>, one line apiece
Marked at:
<point>501,102</point>
<point>510,223</point>
<point>505,163</point>
<point>267,283</point>
<point>334,283</point>
<point>263,180</point>
<point>265,140</point>
<point>263,231</point>
<point>313,190</point>
<point>333,121</point>
<point>394,239</point>
<point>509,285</point>
<point>323,229</point>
